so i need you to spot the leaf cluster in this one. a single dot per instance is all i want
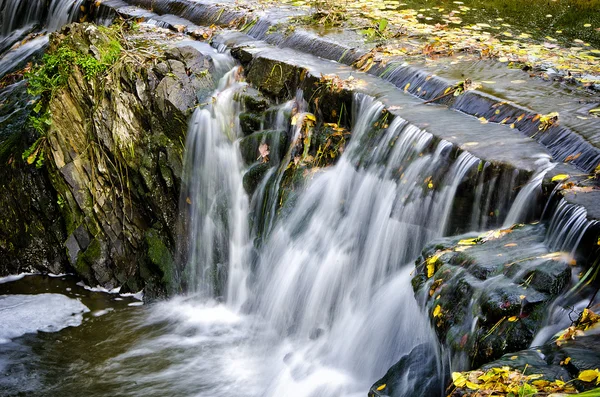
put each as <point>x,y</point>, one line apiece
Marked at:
<point>507,382</point>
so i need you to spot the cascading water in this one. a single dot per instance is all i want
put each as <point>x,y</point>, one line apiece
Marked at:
<point>20,18</point>
<point>215,206</point>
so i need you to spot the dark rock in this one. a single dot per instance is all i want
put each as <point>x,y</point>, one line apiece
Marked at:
<point>250,122</point>
<point>253,176</point>
<point>276,140</point>
<point>490,297</point>
<point>415,374</point>
<point>253,100</point>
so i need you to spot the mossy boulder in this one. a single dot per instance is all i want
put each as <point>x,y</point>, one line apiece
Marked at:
<point>487,294</point>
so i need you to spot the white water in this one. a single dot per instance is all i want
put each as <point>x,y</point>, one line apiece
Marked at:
<point>22,314</point>
<point>528,195</point>
<point>214,204</point>
<point>331,286</point>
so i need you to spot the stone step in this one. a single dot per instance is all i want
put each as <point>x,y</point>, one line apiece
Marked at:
<point>571,137</point>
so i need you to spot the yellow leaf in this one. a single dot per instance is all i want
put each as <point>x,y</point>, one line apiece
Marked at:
<point>513,319</point>
<point>472,385</point>
<point>522,297</point>
<point>311,117</point>
<point>294,119</point>
<point>468,241</point>
<point>431,261</point>
<point>483,120</point>
<point>458,379</point>
<point>437,311</point>
<point>514,357</point>
<point>510,245</point>
<point>560,177</point>
<point>588,375</point>
<point>381,387</point>
<point>430,185</point>
<point>406,87</point>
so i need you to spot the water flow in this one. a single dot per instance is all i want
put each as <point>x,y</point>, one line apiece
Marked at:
<point>567,227</point>
<point>19,14</point>
<point>333,278</point>
<point>214,204</point>
<point>526,200</point>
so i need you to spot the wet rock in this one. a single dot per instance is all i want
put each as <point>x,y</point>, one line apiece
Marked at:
<point>487,295</point>
<point>253,176</point>
<point>273,77</point>
<point>276,141</point>
<point>109,188</point>
<point>253,100</point>
<point>415,374</point>
<point>250,122</point>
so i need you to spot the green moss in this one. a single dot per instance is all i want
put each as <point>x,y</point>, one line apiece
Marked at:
<point>85,260</point>
<point>160,256</point>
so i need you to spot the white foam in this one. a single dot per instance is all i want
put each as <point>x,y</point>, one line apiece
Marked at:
<point>138,295</point>
<point>99,288</point>
<point>22,314</point>
<point>98,313</point>
<point>14,277</point>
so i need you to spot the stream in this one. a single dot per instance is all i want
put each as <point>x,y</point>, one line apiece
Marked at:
<point>315,303</point>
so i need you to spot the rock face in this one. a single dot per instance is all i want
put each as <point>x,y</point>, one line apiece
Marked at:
<point>113,163</point>
<point>487,296</point>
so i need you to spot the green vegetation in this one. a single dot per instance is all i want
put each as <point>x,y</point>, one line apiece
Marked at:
<point>52,73</point>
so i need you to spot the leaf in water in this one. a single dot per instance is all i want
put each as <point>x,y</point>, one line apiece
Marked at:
<point>437,311</point>
<point>264,152</point>
<point>511,245</point>
<point>512,319</point>
<point>383,23</point>
<point>469,241</point>
<point>381,387</point>
<point>406,87</point>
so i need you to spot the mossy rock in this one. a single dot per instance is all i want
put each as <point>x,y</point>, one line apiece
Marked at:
<point>253,176</point>
<point>277,141</point>
<point>250,122</point>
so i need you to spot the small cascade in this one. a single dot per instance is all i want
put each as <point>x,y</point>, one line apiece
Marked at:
<point>61,12</point>
<point>18,18</point>
<point>214,204</point>
<point>567,227</point>
<point>327,268</point>
<point>526,200</point>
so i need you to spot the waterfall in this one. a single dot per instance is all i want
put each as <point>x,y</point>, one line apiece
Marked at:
<point>214,204</point>
<point>334,275</point>
<point>567,227</point>
<point>18,18</point>
<point>527,197</point>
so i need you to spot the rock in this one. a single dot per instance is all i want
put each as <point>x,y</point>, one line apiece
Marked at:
<point>250,122</point>
<point>253,100</point>
<point>415,374</point>
<point>487,296</point>
<point>276,141</point>
<point>253,176</point>
<point>109,188</point>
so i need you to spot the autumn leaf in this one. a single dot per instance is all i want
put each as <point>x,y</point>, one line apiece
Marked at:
<point>264,152</point>
<point>590,375</point>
